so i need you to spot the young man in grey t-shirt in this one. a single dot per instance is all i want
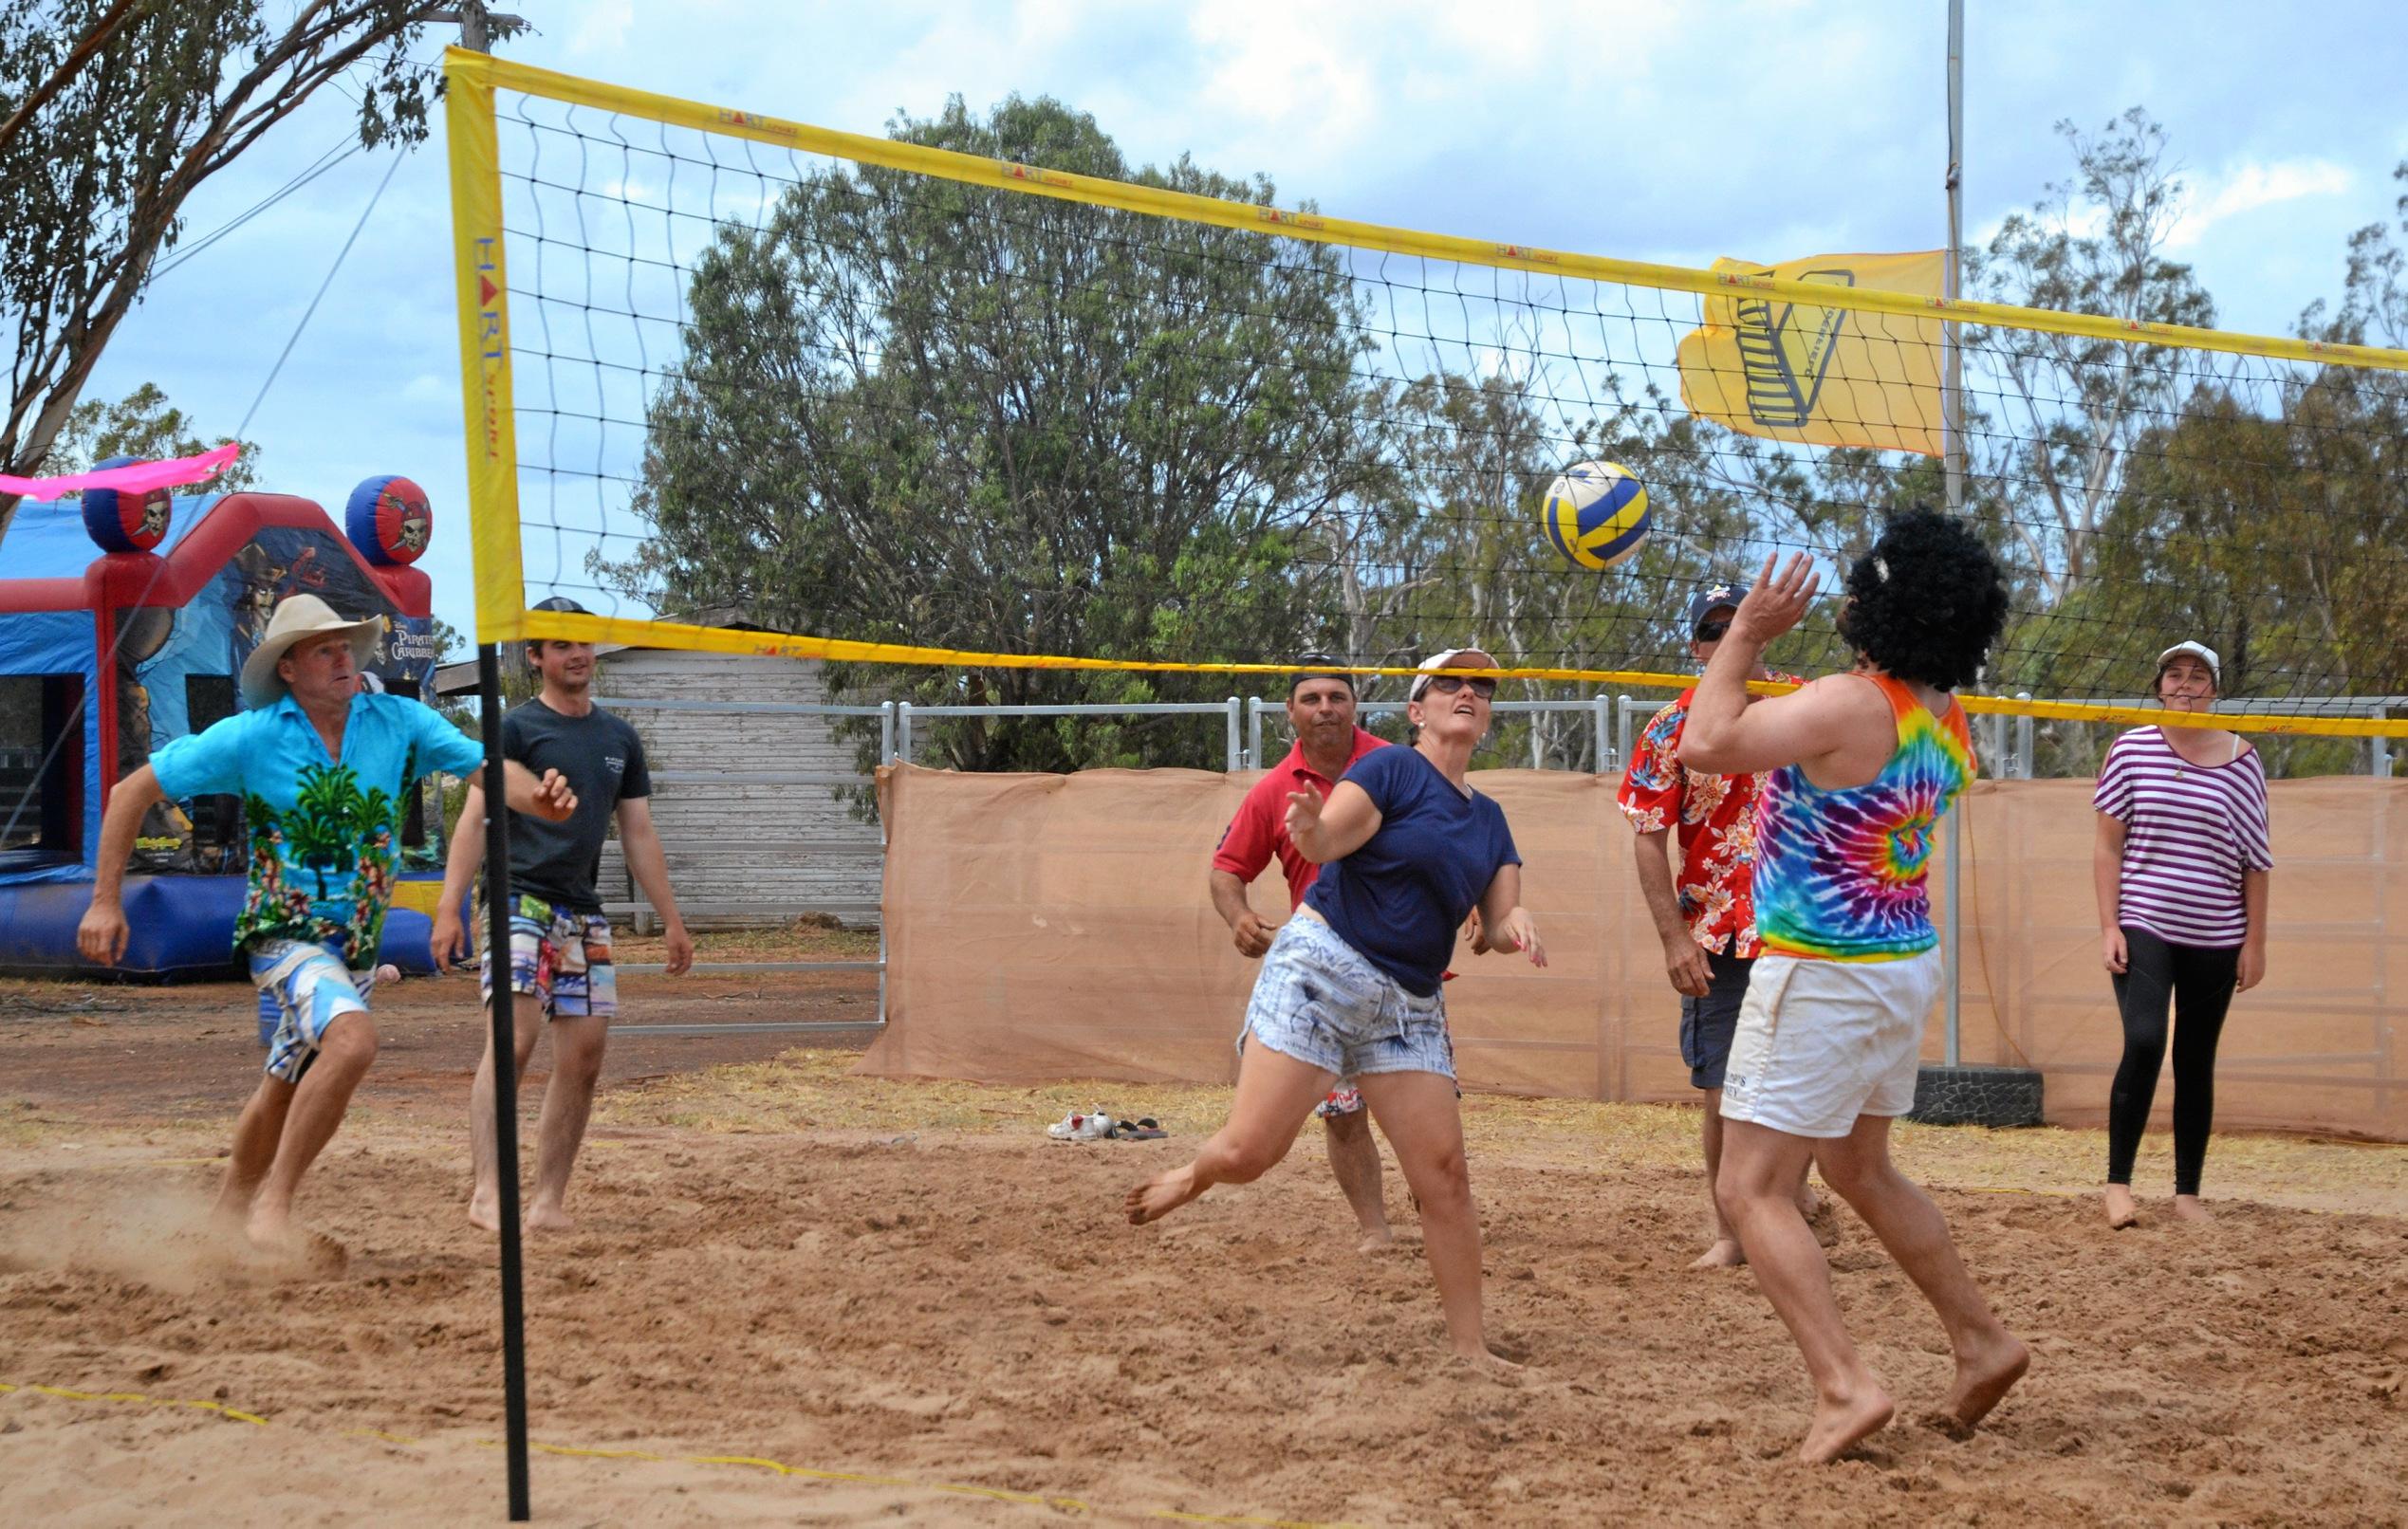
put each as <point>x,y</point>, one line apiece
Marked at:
<point>560,942</point>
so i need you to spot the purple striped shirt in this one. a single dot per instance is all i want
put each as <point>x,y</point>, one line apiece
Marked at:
<point>2190,831</point>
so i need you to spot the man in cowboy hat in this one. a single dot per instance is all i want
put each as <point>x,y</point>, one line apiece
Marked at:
<point>323,768</point>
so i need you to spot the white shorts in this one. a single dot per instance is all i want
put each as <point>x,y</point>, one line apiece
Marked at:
<point>1821,1042</point>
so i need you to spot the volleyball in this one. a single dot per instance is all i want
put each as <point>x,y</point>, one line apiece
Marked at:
<point>1596,515</point>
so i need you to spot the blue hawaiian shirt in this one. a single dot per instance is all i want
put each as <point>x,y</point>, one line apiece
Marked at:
<point>321,830</point>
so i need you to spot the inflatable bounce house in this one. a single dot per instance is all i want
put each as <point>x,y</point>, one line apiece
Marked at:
<point>124,618</point>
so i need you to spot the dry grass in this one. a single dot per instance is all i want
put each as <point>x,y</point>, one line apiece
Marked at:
<point>814,938</point>
<point>811,1090</point>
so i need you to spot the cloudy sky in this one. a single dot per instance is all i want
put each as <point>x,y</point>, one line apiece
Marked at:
<point>1644,129</point>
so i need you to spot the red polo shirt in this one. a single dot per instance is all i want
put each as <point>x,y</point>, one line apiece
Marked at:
<point>1260,829</point>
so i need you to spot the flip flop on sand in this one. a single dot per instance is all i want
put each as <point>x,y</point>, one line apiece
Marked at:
<point>1079,1127</point>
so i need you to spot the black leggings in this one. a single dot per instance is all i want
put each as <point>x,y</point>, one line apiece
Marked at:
<point>2199,979</point>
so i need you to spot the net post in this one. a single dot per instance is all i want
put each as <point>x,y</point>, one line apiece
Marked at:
<point>902,733</point>
<point>1621,726</point>
<point>502,1016</point>
<point>1236,736</point>
<point>1952,452</point>
<point>2379,748</point>
<point>2023,739</point>
<point>886,733</point>
<point>1254,731</point>
<point>1599,709</point>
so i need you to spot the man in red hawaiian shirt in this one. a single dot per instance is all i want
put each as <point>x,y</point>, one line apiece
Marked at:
<point>1321,711</point>
<point>1705,916</point>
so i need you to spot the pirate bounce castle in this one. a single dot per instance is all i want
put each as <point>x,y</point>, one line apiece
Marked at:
<point>124,618</point>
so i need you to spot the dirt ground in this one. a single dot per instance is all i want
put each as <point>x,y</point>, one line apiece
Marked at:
<point>801,1295</point>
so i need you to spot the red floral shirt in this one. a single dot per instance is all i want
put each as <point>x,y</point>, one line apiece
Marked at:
<point>1715,818</point>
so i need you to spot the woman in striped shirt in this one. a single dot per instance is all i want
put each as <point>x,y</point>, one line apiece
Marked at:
<point>2181,867</point>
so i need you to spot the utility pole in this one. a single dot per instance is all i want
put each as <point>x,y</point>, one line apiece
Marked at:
<point>1953,449</point>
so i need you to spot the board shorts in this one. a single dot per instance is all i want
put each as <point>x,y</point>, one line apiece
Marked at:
<point>1708,1023</point>
<point>1321,1001</point>
<point>1821,1042</point>
<point>560,956</point>
<point>310,987</point>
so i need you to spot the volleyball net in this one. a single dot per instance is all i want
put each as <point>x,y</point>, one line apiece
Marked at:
<point>982,398</point>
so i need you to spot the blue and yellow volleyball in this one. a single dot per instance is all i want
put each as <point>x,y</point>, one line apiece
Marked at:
<point>1596,515</point>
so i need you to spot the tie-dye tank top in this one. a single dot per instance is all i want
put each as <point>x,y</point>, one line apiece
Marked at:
<point>1838,875</point>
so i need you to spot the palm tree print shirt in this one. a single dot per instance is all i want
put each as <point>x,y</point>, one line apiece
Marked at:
<point>321,830</point>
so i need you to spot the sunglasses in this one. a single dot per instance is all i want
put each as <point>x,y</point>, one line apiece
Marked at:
<point>1712,631</point>
<point>1449,683</point>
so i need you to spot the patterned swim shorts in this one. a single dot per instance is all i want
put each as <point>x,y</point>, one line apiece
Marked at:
<point>1321,1001</point>
<point>561,956</point>
<point>1344,1100</point>
<point>310,988</point>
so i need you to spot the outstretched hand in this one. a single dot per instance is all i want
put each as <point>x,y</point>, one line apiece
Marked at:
<point>1514,932</point>
<point>1778,602</point>
<point>1303,811</point>
<point>554,802</point>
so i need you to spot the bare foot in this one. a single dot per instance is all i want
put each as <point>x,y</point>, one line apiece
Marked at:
<point>484,1210</point>
<point>1161,1194</point>
<point>270,1228</point>
<point>549,1219</point>
<point>2121,1213</point>
<point>1379,1241</point>
<point>2187,1207</point>
<point>1840,1426</point>
<point>1724,1254</point>
<point>1983,1379</point>
<point>1487,1361</point>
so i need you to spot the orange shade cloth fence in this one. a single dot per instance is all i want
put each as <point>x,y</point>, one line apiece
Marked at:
<point>1048,927</point>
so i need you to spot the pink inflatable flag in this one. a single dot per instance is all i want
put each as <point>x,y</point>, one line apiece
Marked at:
<point>139,478</point>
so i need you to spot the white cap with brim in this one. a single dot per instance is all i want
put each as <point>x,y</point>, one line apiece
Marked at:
<point>1452,658</point>
<point>297,618</point>
<point>2199,651</point>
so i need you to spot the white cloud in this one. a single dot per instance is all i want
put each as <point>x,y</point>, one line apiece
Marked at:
<point>601,27</point>
<point>2246,188</point>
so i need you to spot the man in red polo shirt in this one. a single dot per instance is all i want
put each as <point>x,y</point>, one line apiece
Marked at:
<point>1320,711</point>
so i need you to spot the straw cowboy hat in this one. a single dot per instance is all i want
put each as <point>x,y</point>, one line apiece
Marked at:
<point>297,618</point>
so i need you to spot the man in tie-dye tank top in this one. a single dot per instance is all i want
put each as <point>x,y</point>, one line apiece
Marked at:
<point>1863,766</point>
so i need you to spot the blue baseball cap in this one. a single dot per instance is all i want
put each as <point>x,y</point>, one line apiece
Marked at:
<point>1711,598</point>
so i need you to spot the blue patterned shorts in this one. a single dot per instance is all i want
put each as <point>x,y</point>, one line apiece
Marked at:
<point>1321,1001</point>
<point>561,957</point>
<point>310,988</point>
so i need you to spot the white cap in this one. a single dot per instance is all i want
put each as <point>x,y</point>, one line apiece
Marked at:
<point>2199,651</point>
<point>1452,658</point>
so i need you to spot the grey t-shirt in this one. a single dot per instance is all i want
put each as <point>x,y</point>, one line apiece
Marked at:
<point>605,762</point>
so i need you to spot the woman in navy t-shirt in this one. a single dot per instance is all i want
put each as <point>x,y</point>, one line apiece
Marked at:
<point>1350,987</point>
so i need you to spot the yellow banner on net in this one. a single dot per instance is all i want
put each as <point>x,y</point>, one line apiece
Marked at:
<point>1790,370</point>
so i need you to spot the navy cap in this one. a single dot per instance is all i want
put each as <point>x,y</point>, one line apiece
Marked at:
<point>562,603</point>
<point>1319,666</point>
<point>1713,597</point>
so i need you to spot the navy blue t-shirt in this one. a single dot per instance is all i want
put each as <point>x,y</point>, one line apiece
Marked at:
<point>1400,899</point>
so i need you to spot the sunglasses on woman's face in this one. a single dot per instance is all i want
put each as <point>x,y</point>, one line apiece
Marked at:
<point>1449,683</point>
<point>1712,631</point>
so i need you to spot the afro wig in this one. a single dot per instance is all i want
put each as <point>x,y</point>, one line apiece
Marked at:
<point>1928,600</point>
